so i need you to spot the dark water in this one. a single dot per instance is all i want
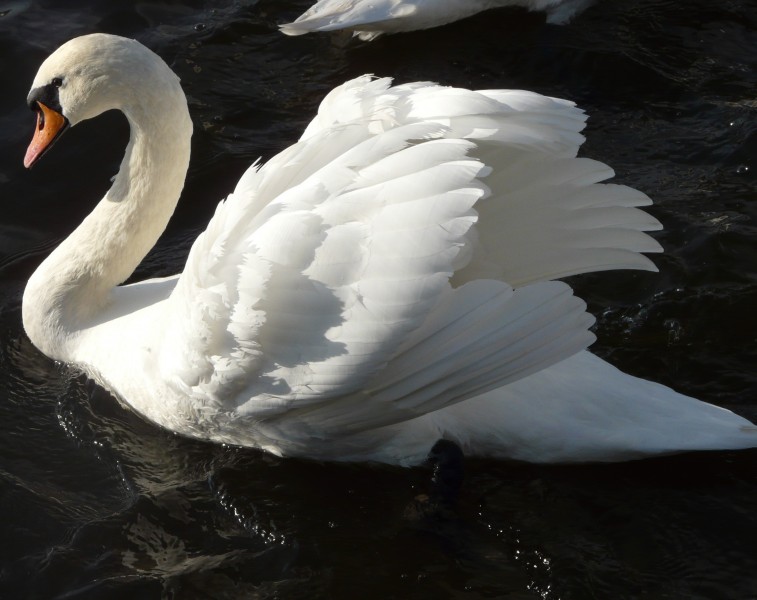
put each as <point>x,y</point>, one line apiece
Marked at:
<point>95,503</point>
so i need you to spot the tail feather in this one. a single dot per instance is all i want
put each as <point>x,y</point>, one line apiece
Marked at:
<point>585,410</point>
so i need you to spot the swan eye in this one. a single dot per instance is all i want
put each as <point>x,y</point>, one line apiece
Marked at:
<point>57,82</point>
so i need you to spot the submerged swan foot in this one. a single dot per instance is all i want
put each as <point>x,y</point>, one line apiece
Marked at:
<point>447,462</point>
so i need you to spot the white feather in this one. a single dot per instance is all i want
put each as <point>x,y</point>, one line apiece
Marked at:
<point>369,19</point>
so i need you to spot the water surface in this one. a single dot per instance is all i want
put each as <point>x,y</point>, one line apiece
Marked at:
<point>96,503</point>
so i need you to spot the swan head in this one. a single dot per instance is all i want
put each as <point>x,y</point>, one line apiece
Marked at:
<point>89,75</point>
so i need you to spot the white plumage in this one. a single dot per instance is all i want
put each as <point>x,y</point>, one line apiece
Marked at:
<point>368,19</point>
<point>386,281</point>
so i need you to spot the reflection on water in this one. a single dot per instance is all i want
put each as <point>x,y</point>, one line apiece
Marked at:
<point>99,504</point>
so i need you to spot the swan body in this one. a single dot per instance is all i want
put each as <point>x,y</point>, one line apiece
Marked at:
<point>386,281</point>
<point>369,19</point>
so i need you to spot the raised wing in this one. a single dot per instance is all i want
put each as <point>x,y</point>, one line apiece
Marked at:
<point>320,301</point>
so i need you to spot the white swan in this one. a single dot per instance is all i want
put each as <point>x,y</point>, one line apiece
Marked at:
<point>348,300</point>
<point>369,19</point>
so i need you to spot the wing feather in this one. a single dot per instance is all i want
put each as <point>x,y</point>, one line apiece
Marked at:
<point>483,335</point>
<point>358,277</point>
<point>369,19</point>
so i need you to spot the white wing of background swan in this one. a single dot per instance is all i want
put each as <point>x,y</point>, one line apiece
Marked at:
<point>370,18</point>
<point>330,15</point>
<point>398,259</point>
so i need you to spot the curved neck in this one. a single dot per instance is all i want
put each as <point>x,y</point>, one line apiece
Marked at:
<point>74,284</point>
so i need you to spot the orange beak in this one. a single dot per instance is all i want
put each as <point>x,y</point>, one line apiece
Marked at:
<point>50,125</point>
